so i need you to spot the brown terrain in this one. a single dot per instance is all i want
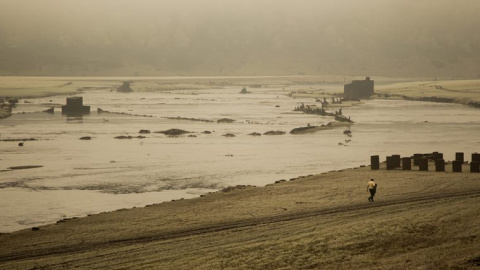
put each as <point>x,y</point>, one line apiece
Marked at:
<point>419,220</point>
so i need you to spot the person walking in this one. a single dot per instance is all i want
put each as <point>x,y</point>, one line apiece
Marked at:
<point>372,188</point>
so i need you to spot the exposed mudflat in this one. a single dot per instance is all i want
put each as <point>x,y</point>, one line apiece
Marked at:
<point>24,167</point>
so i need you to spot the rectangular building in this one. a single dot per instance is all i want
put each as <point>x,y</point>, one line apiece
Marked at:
<point>358,89</point>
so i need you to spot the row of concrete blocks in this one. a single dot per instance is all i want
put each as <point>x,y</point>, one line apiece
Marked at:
<point>421,160</point>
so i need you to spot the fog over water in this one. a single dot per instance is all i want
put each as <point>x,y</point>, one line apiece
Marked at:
<point>85,177</point>
<point>230,37</point>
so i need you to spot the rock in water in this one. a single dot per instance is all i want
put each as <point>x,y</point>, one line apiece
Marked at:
<point>125,88</point>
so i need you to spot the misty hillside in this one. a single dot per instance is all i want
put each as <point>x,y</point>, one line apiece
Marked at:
<point>229,37</point>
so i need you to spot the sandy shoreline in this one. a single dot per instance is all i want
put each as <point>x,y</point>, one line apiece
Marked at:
<point>419,219</point>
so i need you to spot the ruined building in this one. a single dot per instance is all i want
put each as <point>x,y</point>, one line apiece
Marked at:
<point>75,107</point>
<point>358,89</point>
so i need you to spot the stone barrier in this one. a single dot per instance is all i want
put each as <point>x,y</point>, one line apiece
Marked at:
<point>375,162</point>
<point>406,163</point>
<point>423,164</point>
<point>457,166</point>
<point>396,161</point>
<point>437,156</point>
<point>416,159</point>
<point>459,157</point>
<point>421,160</point>
<point>390,163</point>
<point>439,165</point>
<point>475,166</point>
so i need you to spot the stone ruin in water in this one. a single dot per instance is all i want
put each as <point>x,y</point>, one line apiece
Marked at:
<point>75,107</point>
<point>125,88</point>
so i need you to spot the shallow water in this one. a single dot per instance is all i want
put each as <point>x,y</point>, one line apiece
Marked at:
<point>85,177</point>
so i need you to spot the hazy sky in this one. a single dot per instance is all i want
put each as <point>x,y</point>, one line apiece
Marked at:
<point>188,37</point>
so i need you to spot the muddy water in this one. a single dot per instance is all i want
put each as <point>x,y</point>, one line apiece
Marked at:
<point>81,177</point>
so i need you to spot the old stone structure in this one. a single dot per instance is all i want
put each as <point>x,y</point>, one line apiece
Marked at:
<point>75,107</point>
<point>125,88</point>
<point>244,91</point>
<point>423,160</point>
<point>358,89</point>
